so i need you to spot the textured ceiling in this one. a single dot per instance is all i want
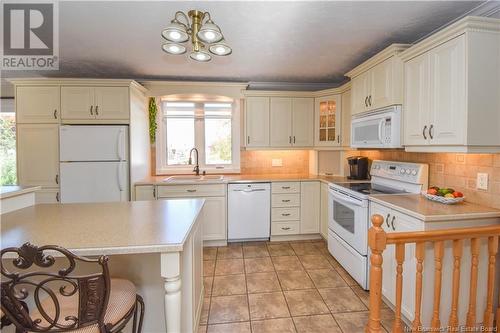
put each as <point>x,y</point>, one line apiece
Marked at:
<point>313,41</point>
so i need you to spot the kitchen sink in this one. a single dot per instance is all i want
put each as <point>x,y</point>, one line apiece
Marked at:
<point>193,178</point>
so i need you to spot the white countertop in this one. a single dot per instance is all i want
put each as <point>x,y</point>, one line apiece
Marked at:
<point>419,207</point>
<point>9,191</point>
<point>104,228</point>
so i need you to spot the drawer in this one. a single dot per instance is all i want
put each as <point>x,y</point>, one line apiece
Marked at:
<point>285,187</point>
<point>285,214</point>
<point>285,228</point>
<point>183,191</point>
<point>285,200</point>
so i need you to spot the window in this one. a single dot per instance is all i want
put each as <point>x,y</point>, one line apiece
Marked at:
<point>211,127</point>
<point>7,143</point>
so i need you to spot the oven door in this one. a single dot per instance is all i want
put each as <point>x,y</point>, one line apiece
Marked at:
<point>348,218</point>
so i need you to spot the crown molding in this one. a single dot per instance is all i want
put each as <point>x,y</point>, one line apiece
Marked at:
<point>289,86</point>
<point>38,81</point>
<point>333,91</point>
<point>465,25</point>
<point>388,52</point>
<point>277,93</point>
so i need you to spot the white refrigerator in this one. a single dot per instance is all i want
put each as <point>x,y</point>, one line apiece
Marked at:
<point>93,163</point>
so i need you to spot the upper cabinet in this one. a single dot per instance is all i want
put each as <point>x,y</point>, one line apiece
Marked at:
<point>257,121</point>
<point>38,104</point>
<point>451,89</point>
<point>328,121</point>
<point>279,122</point>
<point>101,103</point>
<point>378,82</point>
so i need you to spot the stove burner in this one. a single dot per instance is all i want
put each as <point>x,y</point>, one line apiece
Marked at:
<point>369,188</point>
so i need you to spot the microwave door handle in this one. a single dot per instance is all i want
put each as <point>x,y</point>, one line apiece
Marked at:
<point>380,134</point>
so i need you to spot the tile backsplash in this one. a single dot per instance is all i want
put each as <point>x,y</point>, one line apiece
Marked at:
<point>458,171</point>
<point>260,162</point>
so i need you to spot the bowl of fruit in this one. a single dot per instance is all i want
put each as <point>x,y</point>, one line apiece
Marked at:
<point>443,195</point>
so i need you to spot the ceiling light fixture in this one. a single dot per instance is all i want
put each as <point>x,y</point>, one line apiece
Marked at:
<point>201,29</point>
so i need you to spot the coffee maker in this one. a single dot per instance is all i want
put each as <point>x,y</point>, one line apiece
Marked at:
<point>358,167</point>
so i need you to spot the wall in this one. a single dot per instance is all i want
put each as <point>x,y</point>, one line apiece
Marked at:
<point>259,162</point>
<point>458,171</point>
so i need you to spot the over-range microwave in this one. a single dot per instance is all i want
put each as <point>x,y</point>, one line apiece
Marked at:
<point>377,129</point>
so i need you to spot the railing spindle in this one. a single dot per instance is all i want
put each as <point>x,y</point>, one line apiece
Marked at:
<point>438,272</point>
<point>471,314</point>
<point>400,257</point>
<point>455,288</point>
<point>492,252</point>
<point>376,241</point>
<point>419,254</point>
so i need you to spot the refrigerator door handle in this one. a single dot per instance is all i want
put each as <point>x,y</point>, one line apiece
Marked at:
<point>120,171</point>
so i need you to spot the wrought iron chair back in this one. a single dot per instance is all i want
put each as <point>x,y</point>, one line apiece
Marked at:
<point>90,291</point>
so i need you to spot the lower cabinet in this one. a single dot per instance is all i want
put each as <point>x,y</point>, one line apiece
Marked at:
<point>396,221</point>
<point>323,211</point>
<point>309,207</point>
<point>214,220</point>
<point>47,195</point>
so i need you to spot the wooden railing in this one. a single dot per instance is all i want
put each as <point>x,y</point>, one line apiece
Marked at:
<point>378,239</point>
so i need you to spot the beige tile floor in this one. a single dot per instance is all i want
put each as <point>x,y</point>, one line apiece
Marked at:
<point>281,287</point>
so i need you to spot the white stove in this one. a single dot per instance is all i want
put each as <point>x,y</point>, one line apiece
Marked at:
<point>348,215</point>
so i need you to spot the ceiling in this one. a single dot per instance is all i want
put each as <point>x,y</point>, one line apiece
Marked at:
<point>300,41</point>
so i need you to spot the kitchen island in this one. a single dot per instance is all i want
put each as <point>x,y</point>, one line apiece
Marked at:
<point>155,244</point>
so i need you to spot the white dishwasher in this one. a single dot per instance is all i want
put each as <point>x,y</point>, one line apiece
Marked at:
<point>249,211</point>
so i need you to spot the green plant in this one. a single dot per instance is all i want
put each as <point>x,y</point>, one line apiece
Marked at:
<point>153,110</point>
<point>8,151</point>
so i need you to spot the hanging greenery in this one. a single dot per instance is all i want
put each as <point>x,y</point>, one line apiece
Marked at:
<point>153,110</point>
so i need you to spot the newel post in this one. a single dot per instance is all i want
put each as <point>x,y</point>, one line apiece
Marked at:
<point>377,242</point>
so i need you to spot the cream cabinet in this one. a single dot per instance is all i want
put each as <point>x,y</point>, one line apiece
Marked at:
<point>214,210</point>
<point>285,208</point>
<point>38,154</point>
<point>257,121</point>
<point>281,122</point>
<point>37,104</point>
<point>47,195</point>
<point>451,89</point>
<point>324,210</point>
<point>292,122</point>
<point>94,103</point>
<point>345,129</point>
<point>145,192</point>
<point>378,82</point>
<point>310,207</point>
<point>327,119</point>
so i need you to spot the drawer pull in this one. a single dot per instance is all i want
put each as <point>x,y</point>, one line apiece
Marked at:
<point>387,220</point>
<point>285,214</point>
<point>285,228</point>
<point>191,191</point>
<point>285,200</point>
<point>285,187</point>
<point>392,223</point>
<point>57,197</point>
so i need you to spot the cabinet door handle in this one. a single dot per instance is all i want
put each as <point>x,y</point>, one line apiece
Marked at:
<point>154,192</point>
<point>57,197</point>
<point>91,108</point>
<point>423,132</point>
<point>392,223</point>
<point>366,101</point>
<point>285,187</point>
<point>285,228</point>
<point>285,200</point>
<point>370,100</point>
<point>248,139</point>
<point>290,139</point>
<point>57,179</point>
<point>55,113</point>
<point>191,191</point>
<point>285,214</point>
<point>338,138</point>
<point>430,132</point>
<point>387,220</point>
<point>294,139</point>
<point>96,110</point>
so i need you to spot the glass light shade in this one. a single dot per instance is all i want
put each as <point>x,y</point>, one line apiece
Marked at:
<point>174,48</point>
<point>200,56</point>
<point>210,33</point>
<point>175,32</point>
<point>220,49</point>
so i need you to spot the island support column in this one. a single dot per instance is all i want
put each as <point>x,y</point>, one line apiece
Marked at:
<point>171,273</point>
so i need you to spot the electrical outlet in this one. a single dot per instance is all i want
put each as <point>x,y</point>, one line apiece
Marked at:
<point>277,162</point>
<point>482,181</point>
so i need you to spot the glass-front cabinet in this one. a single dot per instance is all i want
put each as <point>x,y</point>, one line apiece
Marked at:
<point>327,121</point>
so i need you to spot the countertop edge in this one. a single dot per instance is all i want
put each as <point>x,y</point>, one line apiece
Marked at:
<point>20,191</point>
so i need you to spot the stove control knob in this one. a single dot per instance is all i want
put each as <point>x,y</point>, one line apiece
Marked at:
<point>402,171</point>
<point>408,171</point>
<point>414,172</point>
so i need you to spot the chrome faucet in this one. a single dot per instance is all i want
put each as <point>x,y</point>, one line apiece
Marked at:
<point>197,166</point>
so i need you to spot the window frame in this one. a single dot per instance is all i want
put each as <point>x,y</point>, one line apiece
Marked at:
<point>162,167</point>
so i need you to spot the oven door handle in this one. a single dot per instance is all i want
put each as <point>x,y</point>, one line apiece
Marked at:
<point>345,199</point>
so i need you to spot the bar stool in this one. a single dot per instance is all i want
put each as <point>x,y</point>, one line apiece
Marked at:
<point>57,299</point>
